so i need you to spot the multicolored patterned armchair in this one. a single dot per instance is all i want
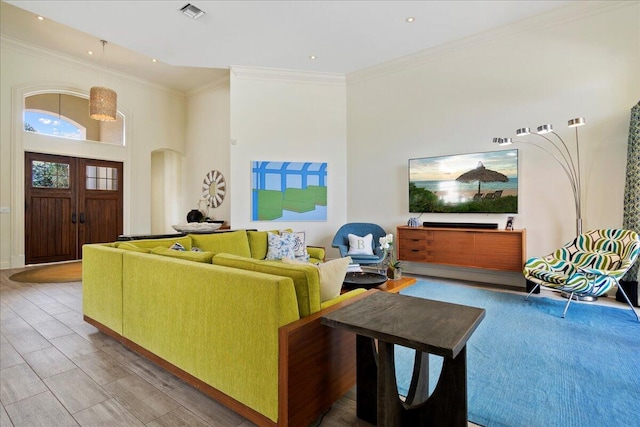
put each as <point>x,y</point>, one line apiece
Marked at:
<point>590,265</point>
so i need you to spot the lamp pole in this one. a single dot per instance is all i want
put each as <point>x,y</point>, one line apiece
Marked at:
<point>561,154</point>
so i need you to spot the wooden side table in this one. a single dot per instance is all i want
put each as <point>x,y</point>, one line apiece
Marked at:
<point>429,327</point>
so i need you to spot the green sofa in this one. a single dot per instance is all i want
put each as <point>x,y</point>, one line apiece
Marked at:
<point>243,330</point>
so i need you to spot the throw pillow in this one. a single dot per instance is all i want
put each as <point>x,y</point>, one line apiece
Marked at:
<point>280,246</point>
<point>360,245</point>
<point>332,274</point>
<point>300,245</point>
<point>177,247</point>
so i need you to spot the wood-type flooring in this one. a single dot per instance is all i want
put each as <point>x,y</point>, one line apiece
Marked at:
<point>57,370</point>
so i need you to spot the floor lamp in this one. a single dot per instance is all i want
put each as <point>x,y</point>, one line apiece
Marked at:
<point>560,152</point>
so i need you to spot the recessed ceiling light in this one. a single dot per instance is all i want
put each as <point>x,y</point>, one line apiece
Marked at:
<point>154,60</point>
<point>410,19</point>
<point>90,52</point>
<point>192,11</point>
<point>40,18</point>
<point>312,57</point>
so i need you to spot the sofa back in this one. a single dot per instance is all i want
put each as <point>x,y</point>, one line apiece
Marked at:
<point>306,278</point>
<point>216,323</point>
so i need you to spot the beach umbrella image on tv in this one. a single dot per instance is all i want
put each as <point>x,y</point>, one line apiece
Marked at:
<point>482,174</point>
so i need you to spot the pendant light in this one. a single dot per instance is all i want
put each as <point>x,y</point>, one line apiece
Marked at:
<point>102,100</point>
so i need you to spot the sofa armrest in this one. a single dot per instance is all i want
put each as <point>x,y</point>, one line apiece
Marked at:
<point>316,252</point>
<point>317,366</point>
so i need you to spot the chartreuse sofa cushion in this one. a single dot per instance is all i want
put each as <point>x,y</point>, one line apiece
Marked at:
<point>306,278</point>
<point>232,242</point>
<point>217,323</point>
<point>154,243</point>
<point>196,256</point>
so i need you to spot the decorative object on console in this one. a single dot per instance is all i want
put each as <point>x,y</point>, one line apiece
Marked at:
<point>447,184</point>
<point>390,264</point>
<point>214,188</point>
<point>509,225</point>
<point>561,154</point>
<point>194,215</point>
<point>198,227</point>
<point>103,101</point>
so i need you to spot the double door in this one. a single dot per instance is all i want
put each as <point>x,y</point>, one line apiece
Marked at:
<point>70,201</point>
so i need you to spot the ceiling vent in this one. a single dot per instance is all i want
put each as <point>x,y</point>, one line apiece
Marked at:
<point>192,11</point>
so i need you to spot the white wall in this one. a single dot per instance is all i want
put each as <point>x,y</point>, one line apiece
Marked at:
<point>207,146</point>
<point>288,116</point>
<point>580,61</point>
<point>155,120</point>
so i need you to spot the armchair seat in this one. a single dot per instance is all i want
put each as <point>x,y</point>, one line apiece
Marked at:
<point>589,266</point>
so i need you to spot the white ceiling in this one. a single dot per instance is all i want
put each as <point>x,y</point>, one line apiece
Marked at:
<point>345,36</point>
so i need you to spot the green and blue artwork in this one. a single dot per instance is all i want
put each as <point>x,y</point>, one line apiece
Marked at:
<point>288,191</point>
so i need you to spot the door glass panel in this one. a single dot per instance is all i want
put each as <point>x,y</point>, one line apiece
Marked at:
<point>49,174</point>
<point>102,178</point>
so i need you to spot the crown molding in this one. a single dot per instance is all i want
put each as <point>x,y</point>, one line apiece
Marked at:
<point>75,63</point>
<point>574,11</point>
<point>219,82</point>
<point>273,74</point>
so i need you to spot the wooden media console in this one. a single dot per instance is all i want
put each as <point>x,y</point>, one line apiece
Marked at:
<point>502,250</point>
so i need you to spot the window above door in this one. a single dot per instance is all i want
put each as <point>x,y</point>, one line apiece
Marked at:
<point>66,115</point>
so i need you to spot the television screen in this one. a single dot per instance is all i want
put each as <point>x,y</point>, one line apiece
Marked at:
<point>465,183</point>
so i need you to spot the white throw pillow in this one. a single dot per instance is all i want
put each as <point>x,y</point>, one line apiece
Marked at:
<point>360,245</point>
<point>332,274</point>
<point>280,246</point>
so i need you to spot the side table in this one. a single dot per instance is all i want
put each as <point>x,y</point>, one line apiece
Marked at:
<point>429,327</point>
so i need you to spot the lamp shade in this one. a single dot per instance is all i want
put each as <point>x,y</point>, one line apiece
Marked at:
<point>542,129</point>
<point>578,121</point>
<point>102,104</point>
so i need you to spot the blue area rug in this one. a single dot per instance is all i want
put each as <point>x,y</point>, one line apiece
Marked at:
<point>526,366</point>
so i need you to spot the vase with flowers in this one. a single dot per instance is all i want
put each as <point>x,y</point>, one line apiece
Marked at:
<point>390,264</point>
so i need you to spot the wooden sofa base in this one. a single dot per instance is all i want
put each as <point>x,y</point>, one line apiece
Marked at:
<point>317,366</point>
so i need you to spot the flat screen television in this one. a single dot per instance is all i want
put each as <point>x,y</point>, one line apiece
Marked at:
<point>465,183</point>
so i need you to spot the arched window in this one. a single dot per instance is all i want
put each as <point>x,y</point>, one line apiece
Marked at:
<point>45,123</point>
<point>66,115</point>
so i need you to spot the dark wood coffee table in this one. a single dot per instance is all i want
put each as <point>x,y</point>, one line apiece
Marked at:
<point>429,327</point>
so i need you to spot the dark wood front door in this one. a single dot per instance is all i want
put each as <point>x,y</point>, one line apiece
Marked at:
<point>69,201</point>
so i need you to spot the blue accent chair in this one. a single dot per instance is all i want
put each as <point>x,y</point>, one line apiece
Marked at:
<point>341,241</point>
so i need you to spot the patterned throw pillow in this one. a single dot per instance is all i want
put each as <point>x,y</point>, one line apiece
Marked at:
<point>280,246</point>
<point>300,246</point>
<point>360,245</point>
<point>177,247</point>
